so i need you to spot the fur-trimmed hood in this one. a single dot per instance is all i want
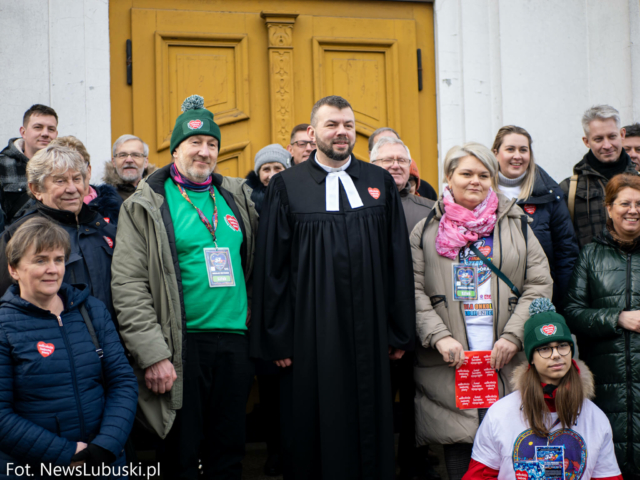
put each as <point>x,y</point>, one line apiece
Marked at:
<point>111,177</point>
<point>588,384</point>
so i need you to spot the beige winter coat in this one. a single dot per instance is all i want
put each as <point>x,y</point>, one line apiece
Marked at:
<point>438,420</point>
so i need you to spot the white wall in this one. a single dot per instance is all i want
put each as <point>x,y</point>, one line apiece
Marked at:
<point>538,64</point>
<point>56,52</point>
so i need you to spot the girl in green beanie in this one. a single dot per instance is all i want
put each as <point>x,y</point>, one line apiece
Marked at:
<point>548,427</point>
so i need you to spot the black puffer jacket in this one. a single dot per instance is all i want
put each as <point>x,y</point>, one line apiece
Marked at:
<point>107,203</point>
<point>606,281</point>
<point>259,190</point>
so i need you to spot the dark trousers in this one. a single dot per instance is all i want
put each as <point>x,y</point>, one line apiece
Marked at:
<point>269,388</point>
<point>210,427</point>
<point>402,382</point>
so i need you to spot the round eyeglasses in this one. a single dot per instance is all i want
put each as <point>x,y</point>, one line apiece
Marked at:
<point>546,352</point>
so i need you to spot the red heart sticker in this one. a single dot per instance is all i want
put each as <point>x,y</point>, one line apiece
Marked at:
<point>549,329</point>
<point>45,349</point>
<point>195,124</point>
<point>530,209</point>
<point>485,250</point>
<point>374,192</point>
<point>108,220</point>
<point>109,241</point>
<point>232,222</point>
<point>522,475</point>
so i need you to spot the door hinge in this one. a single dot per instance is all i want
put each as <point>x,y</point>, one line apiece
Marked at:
<point>419,70</point>
<point>129,69</point>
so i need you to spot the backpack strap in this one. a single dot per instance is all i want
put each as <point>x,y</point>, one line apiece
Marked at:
<point>92,332</point>
<point>424,227</point>
<point>571,201</point>
<point>495,270</point>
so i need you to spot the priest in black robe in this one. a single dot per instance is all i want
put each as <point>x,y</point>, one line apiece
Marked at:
<point>333,300</point>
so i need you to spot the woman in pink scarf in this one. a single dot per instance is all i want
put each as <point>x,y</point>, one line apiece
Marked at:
<point>491,317</point>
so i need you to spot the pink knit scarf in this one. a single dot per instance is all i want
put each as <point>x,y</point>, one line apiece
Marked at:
<point>459,225</point>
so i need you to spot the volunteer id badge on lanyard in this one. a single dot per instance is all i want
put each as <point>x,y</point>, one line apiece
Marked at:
<point>219,268</point>
<point>465,282</point>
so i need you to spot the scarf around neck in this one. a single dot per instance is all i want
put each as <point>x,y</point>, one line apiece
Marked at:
<point>608,169</point>
<point>186,183</point>
<point>460,226</point>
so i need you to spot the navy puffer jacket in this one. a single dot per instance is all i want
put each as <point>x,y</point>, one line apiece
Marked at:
<point>553,228</point>
<point>51,389</point>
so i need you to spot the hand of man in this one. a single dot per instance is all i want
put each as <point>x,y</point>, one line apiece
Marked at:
<point>395,353</point>
<point>160,376</point>
<point>502,353</point>
<point>79,447</point>
<point>452,351</point>
<point>630,320</point>
<point>283,363</point>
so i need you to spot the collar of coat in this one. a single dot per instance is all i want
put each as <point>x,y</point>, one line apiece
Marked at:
<point>586,377</point>
<point>583,167</point>
<point>319,175</point>
<point>545,189</point>
<point>65,217</point>
<point>156,181</point>
<point>111,177</point>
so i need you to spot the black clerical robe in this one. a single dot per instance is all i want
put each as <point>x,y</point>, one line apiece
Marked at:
<point>332,291</point>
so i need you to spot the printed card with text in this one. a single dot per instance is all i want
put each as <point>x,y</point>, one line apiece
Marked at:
<point>476,381</point>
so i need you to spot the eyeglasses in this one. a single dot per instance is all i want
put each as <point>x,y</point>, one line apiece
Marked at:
<point>627,205</point>
<point>546,352</point>
<point>304,143</point>
<point>387,162</point>
<point>132,155</point>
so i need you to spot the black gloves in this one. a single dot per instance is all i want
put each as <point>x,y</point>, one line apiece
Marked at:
<point>94,455</point>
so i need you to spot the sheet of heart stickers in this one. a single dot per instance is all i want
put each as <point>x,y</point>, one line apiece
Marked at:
<point>476,381</point>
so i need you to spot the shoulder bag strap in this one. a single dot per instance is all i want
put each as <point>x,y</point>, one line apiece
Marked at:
<point>92,332</point>
<point>573,186</point>
<point>524,222</point>
<point>429,218</point>
<point>495,270</point>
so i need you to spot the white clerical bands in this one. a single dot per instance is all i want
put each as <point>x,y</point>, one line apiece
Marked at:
<point>333,191</point>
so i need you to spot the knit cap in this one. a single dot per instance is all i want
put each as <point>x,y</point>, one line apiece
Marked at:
<point>544,326</point>
<point>195,120</point>
<point>272,153</point>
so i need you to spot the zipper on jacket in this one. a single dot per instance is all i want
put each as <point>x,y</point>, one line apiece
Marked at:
<point>74,378</point>
<point>627,361</point>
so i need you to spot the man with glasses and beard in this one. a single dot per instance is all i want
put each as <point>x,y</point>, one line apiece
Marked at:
<point>129,165</point>
<point>333,301</point>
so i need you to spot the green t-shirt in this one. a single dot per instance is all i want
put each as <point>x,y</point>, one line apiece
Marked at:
<point>207,309</point>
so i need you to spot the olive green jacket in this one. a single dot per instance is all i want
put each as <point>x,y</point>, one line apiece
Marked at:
<point>438,420</point>
<point>147,290</point>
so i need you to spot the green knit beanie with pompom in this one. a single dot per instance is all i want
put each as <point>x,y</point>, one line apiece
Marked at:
<point>544,326</point>
<point>195,120</point>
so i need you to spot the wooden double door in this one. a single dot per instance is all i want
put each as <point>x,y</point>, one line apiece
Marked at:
<point>261,65</point>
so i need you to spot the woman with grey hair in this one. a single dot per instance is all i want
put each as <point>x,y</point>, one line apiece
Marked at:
<point>477,267</point>
<point>56,176</point>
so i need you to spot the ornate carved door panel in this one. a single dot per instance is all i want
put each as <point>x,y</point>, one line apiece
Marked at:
<point>262,65</point>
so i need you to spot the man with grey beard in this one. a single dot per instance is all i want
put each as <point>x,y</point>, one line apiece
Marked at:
<point>129,165</point>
